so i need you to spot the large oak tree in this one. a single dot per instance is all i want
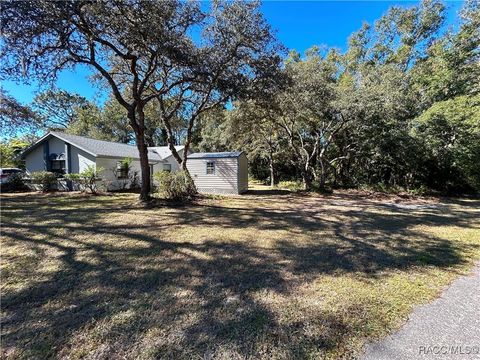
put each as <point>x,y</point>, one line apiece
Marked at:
<point>237,58</point>
<point>187,59</point>
<point>125,42</point>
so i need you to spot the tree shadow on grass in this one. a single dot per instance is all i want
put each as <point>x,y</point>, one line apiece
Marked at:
<point>134,290</point>
<point>267,192</point>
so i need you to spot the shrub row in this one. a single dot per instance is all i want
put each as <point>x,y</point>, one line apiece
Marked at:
<point>170,185</point>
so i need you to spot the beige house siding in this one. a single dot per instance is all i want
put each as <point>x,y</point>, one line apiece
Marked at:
<point>109,165</point>
<point>226,179</point>
<point>175,166</point>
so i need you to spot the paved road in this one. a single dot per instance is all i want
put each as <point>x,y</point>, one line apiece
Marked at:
<point>448,328</point>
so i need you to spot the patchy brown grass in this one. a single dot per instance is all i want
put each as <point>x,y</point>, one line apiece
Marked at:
<point>265,275</point>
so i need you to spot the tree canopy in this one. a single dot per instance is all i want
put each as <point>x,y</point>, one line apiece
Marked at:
<point>143,50</point>
<point>398,108</point>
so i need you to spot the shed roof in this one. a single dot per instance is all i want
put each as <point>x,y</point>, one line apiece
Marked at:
<point>215,155</point>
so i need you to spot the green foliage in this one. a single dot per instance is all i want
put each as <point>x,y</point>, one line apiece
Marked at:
<point>58,108</point>
<point>47,180</point>
<point>176,185</point>
<point>9,152</point>
<point>126,163</point>
<point>125,176</point>
<point>450,133</point>
<point>16,117</point>
<point>86,180</point>
<point>398,111</point>
<point>109,122</point>
<point>73,177</point>
<point>291,185</point>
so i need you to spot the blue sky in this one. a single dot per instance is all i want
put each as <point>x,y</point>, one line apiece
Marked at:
<point>298,25</point>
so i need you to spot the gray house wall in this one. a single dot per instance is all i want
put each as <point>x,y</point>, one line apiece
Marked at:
<point>56,146</point>
<point>34,160</point>
<point>80,160</point>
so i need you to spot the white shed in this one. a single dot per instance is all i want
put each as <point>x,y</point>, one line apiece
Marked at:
<point>219,173</point>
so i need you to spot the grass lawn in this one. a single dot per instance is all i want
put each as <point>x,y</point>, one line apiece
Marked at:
<point>265,275</point>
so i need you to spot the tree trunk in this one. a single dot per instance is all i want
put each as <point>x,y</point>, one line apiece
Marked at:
<point>307,180</point>
<point>142,152</point>
<point>144,167</point>
<point>322,174</point>
<point>273,180</point>
<point>188,139</point>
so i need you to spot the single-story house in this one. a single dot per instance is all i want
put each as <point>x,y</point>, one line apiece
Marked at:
<point>64,153</point>
<point>220,172</point>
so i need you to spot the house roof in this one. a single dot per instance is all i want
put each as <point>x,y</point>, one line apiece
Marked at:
<point>215,155</point>
<point>164,151</point>
<point>97,148</point>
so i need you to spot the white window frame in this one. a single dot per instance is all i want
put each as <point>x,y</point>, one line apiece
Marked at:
<point>121,174</point>
<point>206,167</point>
<point>61,166</point>
<point>167,167</point>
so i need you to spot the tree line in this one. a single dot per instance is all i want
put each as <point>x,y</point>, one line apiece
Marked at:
<point>400,107</point>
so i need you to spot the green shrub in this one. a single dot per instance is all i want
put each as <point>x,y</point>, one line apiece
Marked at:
<point>291,185</point>
<point>175,185</point>
<point>73,177</point>
<point>125,177</point>
<point>382,188</point>
<point>46,179</point>
<point>321,190</point>
<point>421,190</point>
<point>87,179</point>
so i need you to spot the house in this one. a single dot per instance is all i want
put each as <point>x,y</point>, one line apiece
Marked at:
<point>219,173</point>
<point>64,153</point>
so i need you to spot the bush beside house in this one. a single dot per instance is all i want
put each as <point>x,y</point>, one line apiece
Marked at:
<point>87,180</point>
<point>175,185</point>
<point>45,180</point>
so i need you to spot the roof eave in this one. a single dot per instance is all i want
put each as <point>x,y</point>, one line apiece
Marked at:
<point>36,143</point>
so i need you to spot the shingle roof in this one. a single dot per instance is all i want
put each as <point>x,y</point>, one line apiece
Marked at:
<point>164,151</point>
<point>102,147</point>
<point>214,155</point>
<point>97,148</point>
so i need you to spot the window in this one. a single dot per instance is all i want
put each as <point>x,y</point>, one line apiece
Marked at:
<point>58,166</point>
<point>167,167</point>
<point>122,170</point>
<point>11,171</point>
<point>57,163</point>
<point>210,168</point>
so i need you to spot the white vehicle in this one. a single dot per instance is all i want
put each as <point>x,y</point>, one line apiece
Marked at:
<point>6,173</point>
